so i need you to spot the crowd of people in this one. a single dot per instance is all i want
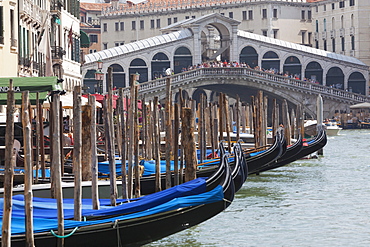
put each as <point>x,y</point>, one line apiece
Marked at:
<point>225,64</point>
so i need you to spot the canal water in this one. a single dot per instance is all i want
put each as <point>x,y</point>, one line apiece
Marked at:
<point>316,202</point>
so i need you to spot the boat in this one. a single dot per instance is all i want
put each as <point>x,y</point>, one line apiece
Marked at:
<point>308,147</point>
<point>331,126</point>
<point>135,223</point>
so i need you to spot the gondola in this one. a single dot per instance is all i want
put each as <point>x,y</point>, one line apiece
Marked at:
<point>307,148</point>
<point>198,200</point>
<point>292,151</point>
<point>258,160</point>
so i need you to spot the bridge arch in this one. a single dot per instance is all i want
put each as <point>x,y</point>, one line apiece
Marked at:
<point>293,65</point>
<point>160,62</point>
<point>249,56</point>
<point>314,72</point>
<point>271,60</point>
<point>197,94</point>
<point>335,78</point>
<point>119,76</point>
<point>185,95</point>
<point>138,65</point>
<point>182,58</point>
<point>357,83</point>
<point>89,81</point>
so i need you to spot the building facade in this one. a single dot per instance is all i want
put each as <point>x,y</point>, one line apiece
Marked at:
<point>8,38</point>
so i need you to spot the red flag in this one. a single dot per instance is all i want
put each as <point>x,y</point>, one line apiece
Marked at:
<point>70,38</point>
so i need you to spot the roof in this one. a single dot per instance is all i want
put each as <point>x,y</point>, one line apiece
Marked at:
<point>94,6</point>
<point>298,47</point>
<point>138,45</point>
<point>34,85</point>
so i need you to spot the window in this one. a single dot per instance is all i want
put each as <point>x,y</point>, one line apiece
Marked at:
<point>317,25</point>
<point>231,14</point>
<point>193,16</point>
<point>169,21</point>
<point>303,15</point>
<point>187,17</point>
<point>222,13</point>
<point>341,4</point>
<point>317,9</point>
<point>12,31</point>
<point>264,33</point>
<point>105,46</point>
<point>105,27</point>
<point>351,2</point>
<point>93,38</point>
<point>152,24</point>
<point>275,13</point>
<point>309,38</point>
<point>158,23</point>
<point>250,14</point>
<point>133,25</point>
<point>324,7</point>
<point>116,26</point>
<point>122,43</point>
<point>317,44</point>
<point>333,6</point>
<point>244,15</point>
<point>122,25</point>
<point>276,34</point>
<point>89,19</point>
<point>325,25</point>
<point>264,13</point>
<point>116,44</point>
<point>174,19</point>
<point>352,43</point>
<point>343,43</point>
<point>83,20</point>
<point>333,44</point>
<point>303,33</point>
<point>325,46</point>
<point>309,15</point>
<point>141,24</point>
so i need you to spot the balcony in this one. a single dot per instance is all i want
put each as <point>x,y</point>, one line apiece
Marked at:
<point>27,9</point>
<point>56,5</point>
<point>316,35</point>
<point>57,52</point>
<point>332,34</point>
<point>1,40</point>
<point>324,35</point>
<point>352,31</point>
<point>342,32</point>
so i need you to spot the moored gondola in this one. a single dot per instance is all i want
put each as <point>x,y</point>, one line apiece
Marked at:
<point>107,227</point>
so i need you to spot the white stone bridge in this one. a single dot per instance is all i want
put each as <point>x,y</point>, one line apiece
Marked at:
<point>246,82</point>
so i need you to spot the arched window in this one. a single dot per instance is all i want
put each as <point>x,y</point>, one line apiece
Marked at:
<point>271,60</point>
<point>138,66</point>
<point>324,24</point>
<point>342,22</point>
<point>357,83</point>
<point>335,78</point>
<point>182,59</point>
<point>249,56</point>
<point>119,76</point>
<point>314,72</point>
<point>160,63</point>
<point>293,66</point>
<point>333,23</point>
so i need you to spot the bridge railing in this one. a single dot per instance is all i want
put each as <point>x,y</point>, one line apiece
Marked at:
<point>183,78</point>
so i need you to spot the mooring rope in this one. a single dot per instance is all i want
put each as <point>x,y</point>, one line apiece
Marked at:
<point>65,236</point>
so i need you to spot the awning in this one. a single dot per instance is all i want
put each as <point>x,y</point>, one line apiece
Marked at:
<point>364,105</point>
<point>41,85</point>
<point>85,40</point>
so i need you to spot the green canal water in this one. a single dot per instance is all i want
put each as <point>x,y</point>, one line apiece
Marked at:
<point>316,202</point>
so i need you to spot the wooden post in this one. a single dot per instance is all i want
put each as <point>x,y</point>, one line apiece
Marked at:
<point>28,176</point>
<point>85,127</point>
<point>61,138</point>
<point>9,168</point>
<point>94,157</point>
<point>201,129</point>
<point>77,149</point>
<point>122,130</point>
<point>41,139</point>
<point>176,143</point>
<point>286,121</point>
<point>275,120</point>
<point>136,142</point>
<point>37,138</point>
<point>237,122</point>
<point>211,129</point>
<point>109,137</point>
<point>293,124</point>
<point>260,114</point>
<point>264,121</point>
<point>227,121</point>
<point>255,123</point>
<point>189,144</point>
<point>320,117</point>
<point>220,119</point>
<point>55,163</point>
<point>156,140</point>
<point>168,132</point>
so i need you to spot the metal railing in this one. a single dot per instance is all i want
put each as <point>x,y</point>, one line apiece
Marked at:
<point>262,77</point>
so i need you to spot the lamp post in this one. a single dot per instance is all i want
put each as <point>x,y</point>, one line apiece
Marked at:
<point>99,76</point>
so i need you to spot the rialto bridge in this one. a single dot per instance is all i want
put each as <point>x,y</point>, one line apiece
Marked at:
<point>341,80</point>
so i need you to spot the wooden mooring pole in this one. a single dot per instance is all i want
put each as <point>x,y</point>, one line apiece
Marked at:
<point>9,168</point>
<point>77,149</point>
<point>94,157</point>
<point>188,142</point>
